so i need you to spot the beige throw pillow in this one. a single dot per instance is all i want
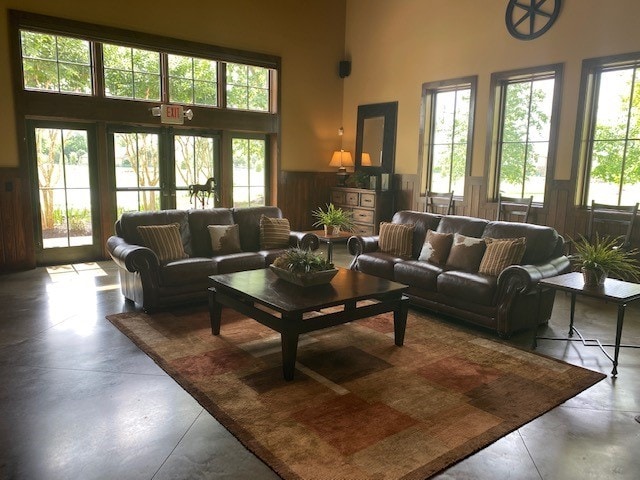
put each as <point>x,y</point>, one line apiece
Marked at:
<point>224,239</point>
<point>164,240</point>
<point>466,253</point>
<point>436,247</point>
<point>274,233</point>
<point>501,253</point>
<point>396,239</point>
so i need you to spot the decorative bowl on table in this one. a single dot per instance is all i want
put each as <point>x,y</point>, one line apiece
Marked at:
<point>307,279</point>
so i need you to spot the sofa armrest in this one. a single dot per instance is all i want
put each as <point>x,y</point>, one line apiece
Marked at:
<point>358,245</point>
<point>304,240</point>
<point>133,258</point>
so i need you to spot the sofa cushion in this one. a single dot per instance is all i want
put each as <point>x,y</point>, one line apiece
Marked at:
<point>238,262</point>
<point>186,271</point>
<point>541,240</point>
<point>416,273</point>
<point>274,232</point>
<point>501,253</point>
<point>436,247</point>
<point>466,253</point>
<point>469,226</point>
<point>224,238</point>
<point>396,239</point>
<point>378,264</point>
<point>199,219</point>
<point>472,287</point>
<point>248,220</point>
<point>127,225</point>
<point>422,221</point>
<point>164,240</point>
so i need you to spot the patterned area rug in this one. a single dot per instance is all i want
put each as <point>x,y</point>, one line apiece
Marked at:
<point>359,406</point>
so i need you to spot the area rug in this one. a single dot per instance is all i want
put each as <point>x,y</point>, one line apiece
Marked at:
<point>359,406</point>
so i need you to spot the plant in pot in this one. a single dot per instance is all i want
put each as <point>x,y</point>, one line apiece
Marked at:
<point>333,219</point>
<point>303,267</point>
<point>358,179</point>
<point>603,257</point>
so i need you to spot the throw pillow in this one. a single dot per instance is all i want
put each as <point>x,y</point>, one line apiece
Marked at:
<point>224,239</point>
<point>274,233</point>
<point>436,247</point>
<point>501,253</point>
<point>466,253</point>
<point>164,240</point>
<point>396,239</point>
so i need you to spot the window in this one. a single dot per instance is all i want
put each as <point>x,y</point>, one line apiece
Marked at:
<point>247,87</point>
<point>446,134</point>
<point>131,73</point>
<point>55,63</point>
<point>523,132</point>
<point>609,131</point>
<point>249,160</point>
<point>195,159</point>
<point>193,80</point>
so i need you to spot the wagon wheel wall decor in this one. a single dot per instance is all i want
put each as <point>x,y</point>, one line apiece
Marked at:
<point>528,19</point>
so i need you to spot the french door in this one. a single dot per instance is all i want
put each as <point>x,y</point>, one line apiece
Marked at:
<point>64,185</point>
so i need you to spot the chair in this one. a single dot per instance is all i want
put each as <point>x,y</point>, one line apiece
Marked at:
<point>439,203</point>
<point>513,208</point>
<point>612,220</point>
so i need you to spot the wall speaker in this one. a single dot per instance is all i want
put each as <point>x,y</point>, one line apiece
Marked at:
<point>344,68</point>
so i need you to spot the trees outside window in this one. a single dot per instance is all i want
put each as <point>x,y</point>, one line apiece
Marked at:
<point>249,176</point>
<point>446,134</point>
<point>131,72</point>
<point>247,87</point>
<point>193,80</point>
<point>195,161</point>
<point>610,128</point>
<point>526,104</point>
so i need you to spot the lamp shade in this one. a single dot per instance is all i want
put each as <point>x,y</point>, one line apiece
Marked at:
<point>340,158</point>
<point>365,160</point>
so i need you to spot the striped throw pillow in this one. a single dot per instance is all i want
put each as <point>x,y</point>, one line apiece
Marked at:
<point>164,240</point>
<point>500,253</point>
<point>396,239</point>
<point>274,233</point>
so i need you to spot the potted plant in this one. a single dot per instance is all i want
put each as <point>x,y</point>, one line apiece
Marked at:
<point>603,257</point>
<point>303,267</point>
<point>358,179</point>
<point>333,219</point>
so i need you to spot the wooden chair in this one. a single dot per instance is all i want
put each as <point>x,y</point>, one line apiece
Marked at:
<point>513,208</point>
<point>612,221</point>
<point>439,203</point>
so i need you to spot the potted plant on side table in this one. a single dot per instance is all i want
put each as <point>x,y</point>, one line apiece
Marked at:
<point>604,257</point>
<point>333,219</point>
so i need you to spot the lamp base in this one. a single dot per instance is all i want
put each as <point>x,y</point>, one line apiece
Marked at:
<point>342,178</point>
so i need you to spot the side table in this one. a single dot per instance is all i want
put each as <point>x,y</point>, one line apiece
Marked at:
<point>340,237</point>
<point>615,291</point>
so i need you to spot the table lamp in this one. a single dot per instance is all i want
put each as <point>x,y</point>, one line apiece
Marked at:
<point>341,159</point>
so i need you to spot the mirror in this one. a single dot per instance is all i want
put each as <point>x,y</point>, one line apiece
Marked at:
<point>376,138</point>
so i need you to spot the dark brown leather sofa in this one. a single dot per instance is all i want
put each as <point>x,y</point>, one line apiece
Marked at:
<point>147,282</point>
<point>505,303</point>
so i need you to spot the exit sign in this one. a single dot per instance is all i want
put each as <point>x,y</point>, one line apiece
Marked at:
<point>172,114</point>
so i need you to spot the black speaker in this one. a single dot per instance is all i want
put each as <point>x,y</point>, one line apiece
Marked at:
<point>344,68</point>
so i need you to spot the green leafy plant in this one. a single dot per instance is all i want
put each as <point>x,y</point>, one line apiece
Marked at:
<point>333,217</point>
<point>357,179</point>
<point>298,260</point>
<point>604,256</point>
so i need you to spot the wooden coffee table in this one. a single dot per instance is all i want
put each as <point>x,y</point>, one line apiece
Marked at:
<point>245,291</point>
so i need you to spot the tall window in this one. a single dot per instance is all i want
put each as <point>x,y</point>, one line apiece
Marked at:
<point>195,159</point>
<point>446,134</point>
<point>249,176</point>
<point>609,133</point>
<point>55,63</point>
<point>523,139</point>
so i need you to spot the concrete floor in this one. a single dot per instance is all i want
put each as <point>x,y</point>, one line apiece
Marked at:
<point>80,401</point>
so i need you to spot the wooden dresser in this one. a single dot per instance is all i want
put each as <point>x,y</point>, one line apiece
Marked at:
<point>369,207</point>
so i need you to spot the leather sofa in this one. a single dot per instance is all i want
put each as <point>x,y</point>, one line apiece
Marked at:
<point>506,303</point>
<point>153,284</point>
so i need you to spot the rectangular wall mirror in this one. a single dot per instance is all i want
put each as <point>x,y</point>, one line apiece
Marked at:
<point>376,137</point>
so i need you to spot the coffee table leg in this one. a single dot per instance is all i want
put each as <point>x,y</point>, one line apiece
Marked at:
<point>215,312</point>
<point>289,342</point>
<point>400,320</point>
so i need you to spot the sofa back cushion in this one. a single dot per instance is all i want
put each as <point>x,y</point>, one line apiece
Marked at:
<point>225,239</point>
<point>248,220</point>
<point>422,222</point>
<point>274,233</point>
<point>540,240</point>
<point>127,225</point>
<point>466,253</point>
<point>436,247</point>
<point>199,220</point>
<point>468,226</point>
<point>500,254</point>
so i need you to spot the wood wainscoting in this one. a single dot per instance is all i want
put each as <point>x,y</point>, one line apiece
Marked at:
<point>16,225</point>
<point>299,193</point>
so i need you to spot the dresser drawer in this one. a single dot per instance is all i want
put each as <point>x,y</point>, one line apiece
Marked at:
<point>337,198</point>
<point>363,216</point>
<point>364,230</point>
<point>351,198</point>
<point>368,200</point>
